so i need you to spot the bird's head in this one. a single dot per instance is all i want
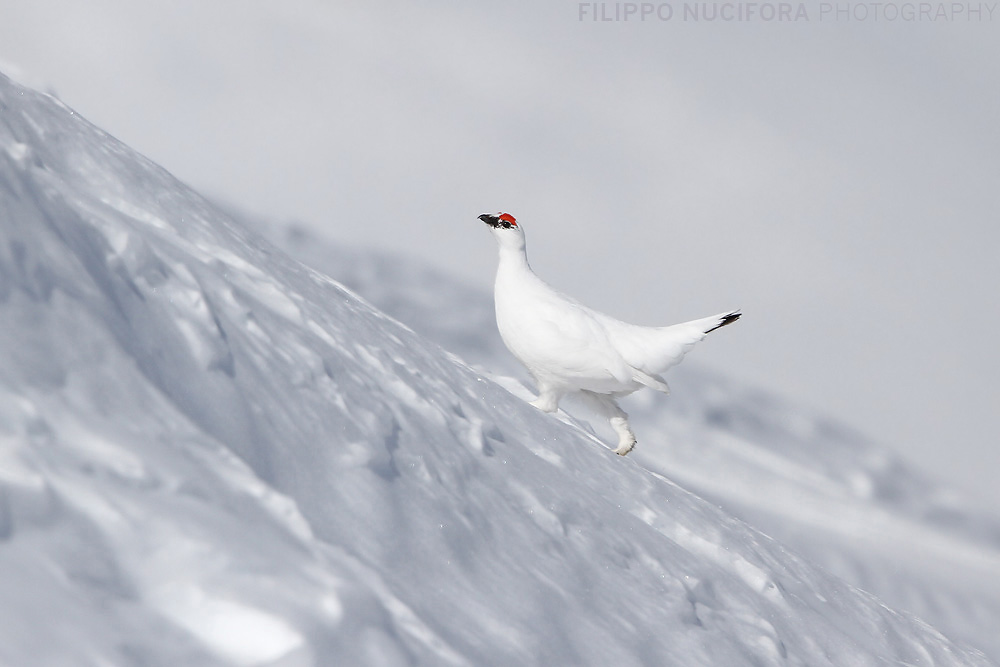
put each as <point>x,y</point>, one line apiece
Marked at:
<point>505,228</point>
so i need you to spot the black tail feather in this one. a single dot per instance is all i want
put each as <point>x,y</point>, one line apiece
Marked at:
<point>726,319</point>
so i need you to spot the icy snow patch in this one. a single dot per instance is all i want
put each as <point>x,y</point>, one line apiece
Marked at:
<point>238,633</point>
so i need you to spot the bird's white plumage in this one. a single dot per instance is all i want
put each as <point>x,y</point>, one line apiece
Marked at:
<point>568,347</point>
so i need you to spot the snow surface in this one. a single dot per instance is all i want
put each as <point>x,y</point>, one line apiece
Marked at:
<point>213,455</point>
<point>828,491</point>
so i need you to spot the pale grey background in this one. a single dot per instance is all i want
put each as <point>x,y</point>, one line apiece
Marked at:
<point>837,180</point>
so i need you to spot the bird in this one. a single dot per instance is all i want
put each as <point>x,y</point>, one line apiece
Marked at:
<point>569,348</point>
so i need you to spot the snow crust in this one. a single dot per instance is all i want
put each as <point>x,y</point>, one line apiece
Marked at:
<point>211,454</point>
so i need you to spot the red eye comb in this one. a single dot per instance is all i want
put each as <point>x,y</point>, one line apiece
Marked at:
<point>507,217</point>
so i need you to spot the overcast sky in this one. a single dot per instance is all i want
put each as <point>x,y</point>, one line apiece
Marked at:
<point>837,177</point>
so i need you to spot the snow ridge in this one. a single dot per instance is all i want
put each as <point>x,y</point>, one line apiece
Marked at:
<point>214,455</point>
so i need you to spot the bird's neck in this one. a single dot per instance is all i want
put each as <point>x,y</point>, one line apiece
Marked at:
<point>513,258</point>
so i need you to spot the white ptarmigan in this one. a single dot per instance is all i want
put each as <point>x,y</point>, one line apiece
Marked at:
<point>568,347</point>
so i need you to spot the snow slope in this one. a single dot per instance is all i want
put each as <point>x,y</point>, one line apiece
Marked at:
<point>210,454</point>
<point>826,490</point>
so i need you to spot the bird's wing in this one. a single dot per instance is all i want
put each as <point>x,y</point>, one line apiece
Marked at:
<point>555,334</point>
<point>581,346</point>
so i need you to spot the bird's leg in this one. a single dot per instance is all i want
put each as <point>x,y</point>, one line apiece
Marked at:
<point>608,407</point>
<point>626,439</point>
<point>548,399</point>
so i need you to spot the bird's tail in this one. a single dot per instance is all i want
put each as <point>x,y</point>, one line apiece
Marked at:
<point>719,321</point>
<point>654,350</point>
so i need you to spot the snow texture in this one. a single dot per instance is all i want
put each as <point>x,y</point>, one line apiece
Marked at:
<point>213,455</point>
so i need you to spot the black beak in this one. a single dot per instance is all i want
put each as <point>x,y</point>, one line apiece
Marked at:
<point>491,220</point>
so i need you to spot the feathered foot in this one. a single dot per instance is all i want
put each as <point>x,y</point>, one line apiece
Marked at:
<point>625,447</point>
